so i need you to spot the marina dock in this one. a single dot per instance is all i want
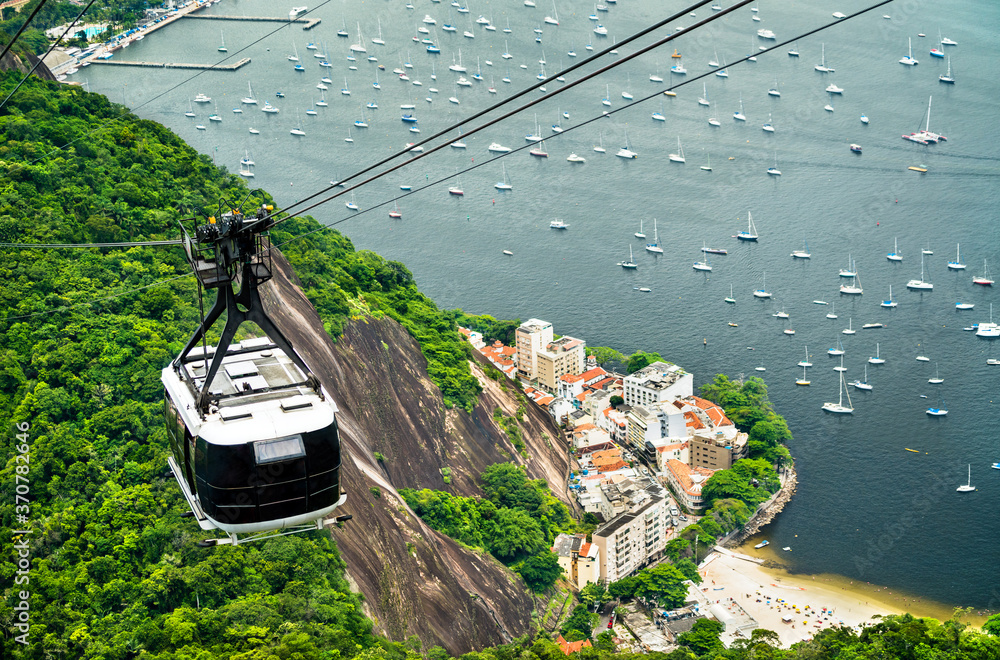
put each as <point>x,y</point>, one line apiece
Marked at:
<point>175,65</point>
<point>307,23</point>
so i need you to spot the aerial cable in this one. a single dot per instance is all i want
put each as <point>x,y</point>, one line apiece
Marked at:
<point>181,83</point>
<point>557,135</point>
<point>527,90</point>
<point>46,246</point>
<point>98,300</point>
<point>509,114</point>
<point>21,29</point>
<point>42,58</point>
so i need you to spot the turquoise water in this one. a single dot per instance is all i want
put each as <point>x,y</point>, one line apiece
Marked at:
<point>865,508</point>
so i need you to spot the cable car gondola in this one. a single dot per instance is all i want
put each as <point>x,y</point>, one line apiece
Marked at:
<point>253,435</point>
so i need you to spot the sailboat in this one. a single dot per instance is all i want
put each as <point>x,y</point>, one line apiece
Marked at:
<point>730,299</point>
<point>805,362</point>
<point>921,284</point>
<point>822,67</point>
<point>713,121</point>
<point>504,184</point>
<point>654,247</point>
<point>626,151</point>
<point>708,167</point>
<point>640,234</point>
<point>378,40</point>
<point>768,126</point>
<point>762,292</point>
<point>894,255</point>
<point>937,380</point>
<point>297,129</point>
<point>774,90</point>
<point>249,98</point>
<point>836,350</point>
<point>606,101</point>
<point>359,47</point>
<point>908,59</point>
<point>926,136</point>
<point>967,487</point>
<point>739,116</point>
<point>849,330</point>
<point>877,359</point>
<point>395,212</point>
<point>222,48</point>
<point>294,57</point>
<point>839,407</point>
<point>803,380</point>
<point>940,411</point>
<point>991,329</point>
<point>679,156</point>
<point>957,263</point>
<point>703,99</point>
<point>890,302</point>
<point>986,279</point>
<point>190,112</point>
<point>832,314</point>
<point>804,252</point>
<point>751,233</point>
<point>352,204</point>
<point>854,288</point>
<point>863,385</point>
<point>600,147</point>
<point>774,171</point>
<point>631,262</point>
<point>946,78</point>
<point>703,265</point>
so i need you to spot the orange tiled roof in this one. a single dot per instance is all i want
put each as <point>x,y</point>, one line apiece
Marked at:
<point>581,397</point>
<point>673,447</point>
<point>682,473</point>
<point>693,421</point>
<point>545,400</point>
<point>571,647</point>
<point>571,378</point>
<point>593,373</point>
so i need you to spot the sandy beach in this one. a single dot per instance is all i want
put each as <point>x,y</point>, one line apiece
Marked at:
<point>767,597</point>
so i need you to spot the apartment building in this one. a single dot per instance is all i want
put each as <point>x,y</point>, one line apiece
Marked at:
<point>530,338</point>
<point>637,536</point>
<point>657,382</point>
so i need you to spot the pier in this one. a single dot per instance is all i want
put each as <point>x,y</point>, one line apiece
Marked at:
<point>307,23</point>
<point>176,65</point>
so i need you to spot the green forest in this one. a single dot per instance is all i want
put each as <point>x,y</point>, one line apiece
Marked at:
<point>115,572</point>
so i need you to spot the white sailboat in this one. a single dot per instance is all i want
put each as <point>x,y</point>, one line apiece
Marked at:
<point>751,232</point>
<point>631,262</point>
<point>222,48</point>
<point>890,302</point>
<point>805,362</point>
<point>640,234</point>
<point>894,255</point>
<point>774,171</point>
<point>626,151</point>
<point>804,253</point>
<point>877,359</point>
<point>654,247</point>
<point>908,59</point>
<point>921,284</point>
<point>967,487</point>
<point>504,184</point>
<point>854,287</point>
<point>832,314</point>
<point>739,116</point>
<point>863,385</point>
<point>708,167</point>
<point>822,67</point>
<point>249,99</point>
<point>703,265</point>
<point>599,148</point>
<point>957,263</point>
<point>937,380</point>
<point>703,99</point>
<point>730,299</point>
<point>849,330</point>
<point>762,292</point>
<point>839,407</point>
<point>378,40</point>
<point>679,156</point>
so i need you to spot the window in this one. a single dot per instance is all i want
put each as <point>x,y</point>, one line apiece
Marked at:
<point>282,449</point>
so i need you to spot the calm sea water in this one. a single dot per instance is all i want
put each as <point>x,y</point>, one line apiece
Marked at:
<point>866,508</point>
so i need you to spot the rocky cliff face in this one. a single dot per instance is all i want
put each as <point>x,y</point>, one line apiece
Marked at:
<point>415,581</point>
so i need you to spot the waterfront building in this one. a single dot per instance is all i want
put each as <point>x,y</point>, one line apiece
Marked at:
<point>657,382</point>
<point>686,482</point>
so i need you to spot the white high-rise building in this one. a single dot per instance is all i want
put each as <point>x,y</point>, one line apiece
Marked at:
<point>531,337</point>
<point>657,382</point>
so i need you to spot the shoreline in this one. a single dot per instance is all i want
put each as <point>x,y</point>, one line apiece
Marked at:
<point>809,602</point>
